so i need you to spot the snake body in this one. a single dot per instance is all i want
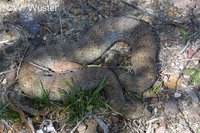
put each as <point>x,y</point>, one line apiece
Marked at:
<point>88,49</point>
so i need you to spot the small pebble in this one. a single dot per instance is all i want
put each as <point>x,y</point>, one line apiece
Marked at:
<point>181,66</point>
<point>172,64</point>
<point>4,81</point>
<point>177,63</point>
<point>81,128</point>
<point>177,94</point>
<point>186,76</point>
<point>44,38</point>
<point>165,79</point>
<point>196,62</point>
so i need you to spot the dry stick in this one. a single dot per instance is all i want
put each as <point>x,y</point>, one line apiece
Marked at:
<point>20,63</point>
<point>152,120</point>
<point>183,60</point>
<point>4,41</point>
<point>74,129</point>
<point>62,128</point>
<point>61,30</point>
<point>83,7</point>
<point>186,46</point>
<point>30,123</point>
<point>101,124</point>
<point>41,67</point>
<point>5,72</point>
<point>95,8</point>
<point>149,129</point>
<point>181,73</point>
<point>152,16</point>
<point>188,42</point>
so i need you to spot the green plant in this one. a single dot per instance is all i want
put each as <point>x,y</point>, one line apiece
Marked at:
<point>40,102</point>
<point>82,101</point>
<point>198,130</point>
<point>184,33</point>
<point>158,87</point>
<point>8,114</point>
<point>195,75</point>
<point>135,96</point>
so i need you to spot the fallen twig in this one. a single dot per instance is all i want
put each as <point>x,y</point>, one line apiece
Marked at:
<point>149,129</point>
<point>74,129</point>
<point>183,60</point>
<point>5,72</point>
<point>95,8</point>
<point>61,27</point>
<point>40,67</point>
<point>181,73</point>
<point>30,122</point>
<point>4,41</point>
<point>187,43</point>
<point>83,7</point>
<point>151,15</point>
<point>152,120</point>
<point>20,63</point>
<point>101,124</point>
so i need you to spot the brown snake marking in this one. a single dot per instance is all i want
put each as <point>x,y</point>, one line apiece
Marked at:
<point>88,49</point>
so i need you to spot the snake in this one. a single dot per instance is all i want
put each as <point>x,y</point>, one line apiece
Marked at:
<point>50,65</point>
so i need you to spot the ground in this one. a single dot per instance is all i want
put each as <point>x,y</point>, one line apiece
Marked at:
<point>174,98</point>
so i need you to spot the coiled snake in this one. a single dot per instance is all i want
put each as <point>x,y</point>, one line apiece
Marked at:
<point>88,49</point>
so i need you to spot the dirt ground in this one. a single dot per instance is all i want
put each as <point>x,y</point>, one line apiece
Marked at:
<point>174,98</point>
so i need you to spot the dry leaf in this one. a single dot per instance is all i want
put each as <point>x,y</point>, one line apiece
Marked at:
<point>170,13</point>
<point>174,82</point>
<point>2,128</point>
<point>92,127</point>
<point>17,126</point>
<point>190,53</point>
<point>81,128</point>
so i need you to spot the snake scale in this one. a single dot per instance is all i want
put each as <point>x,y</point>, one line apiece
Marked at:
<point>88,49</point>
